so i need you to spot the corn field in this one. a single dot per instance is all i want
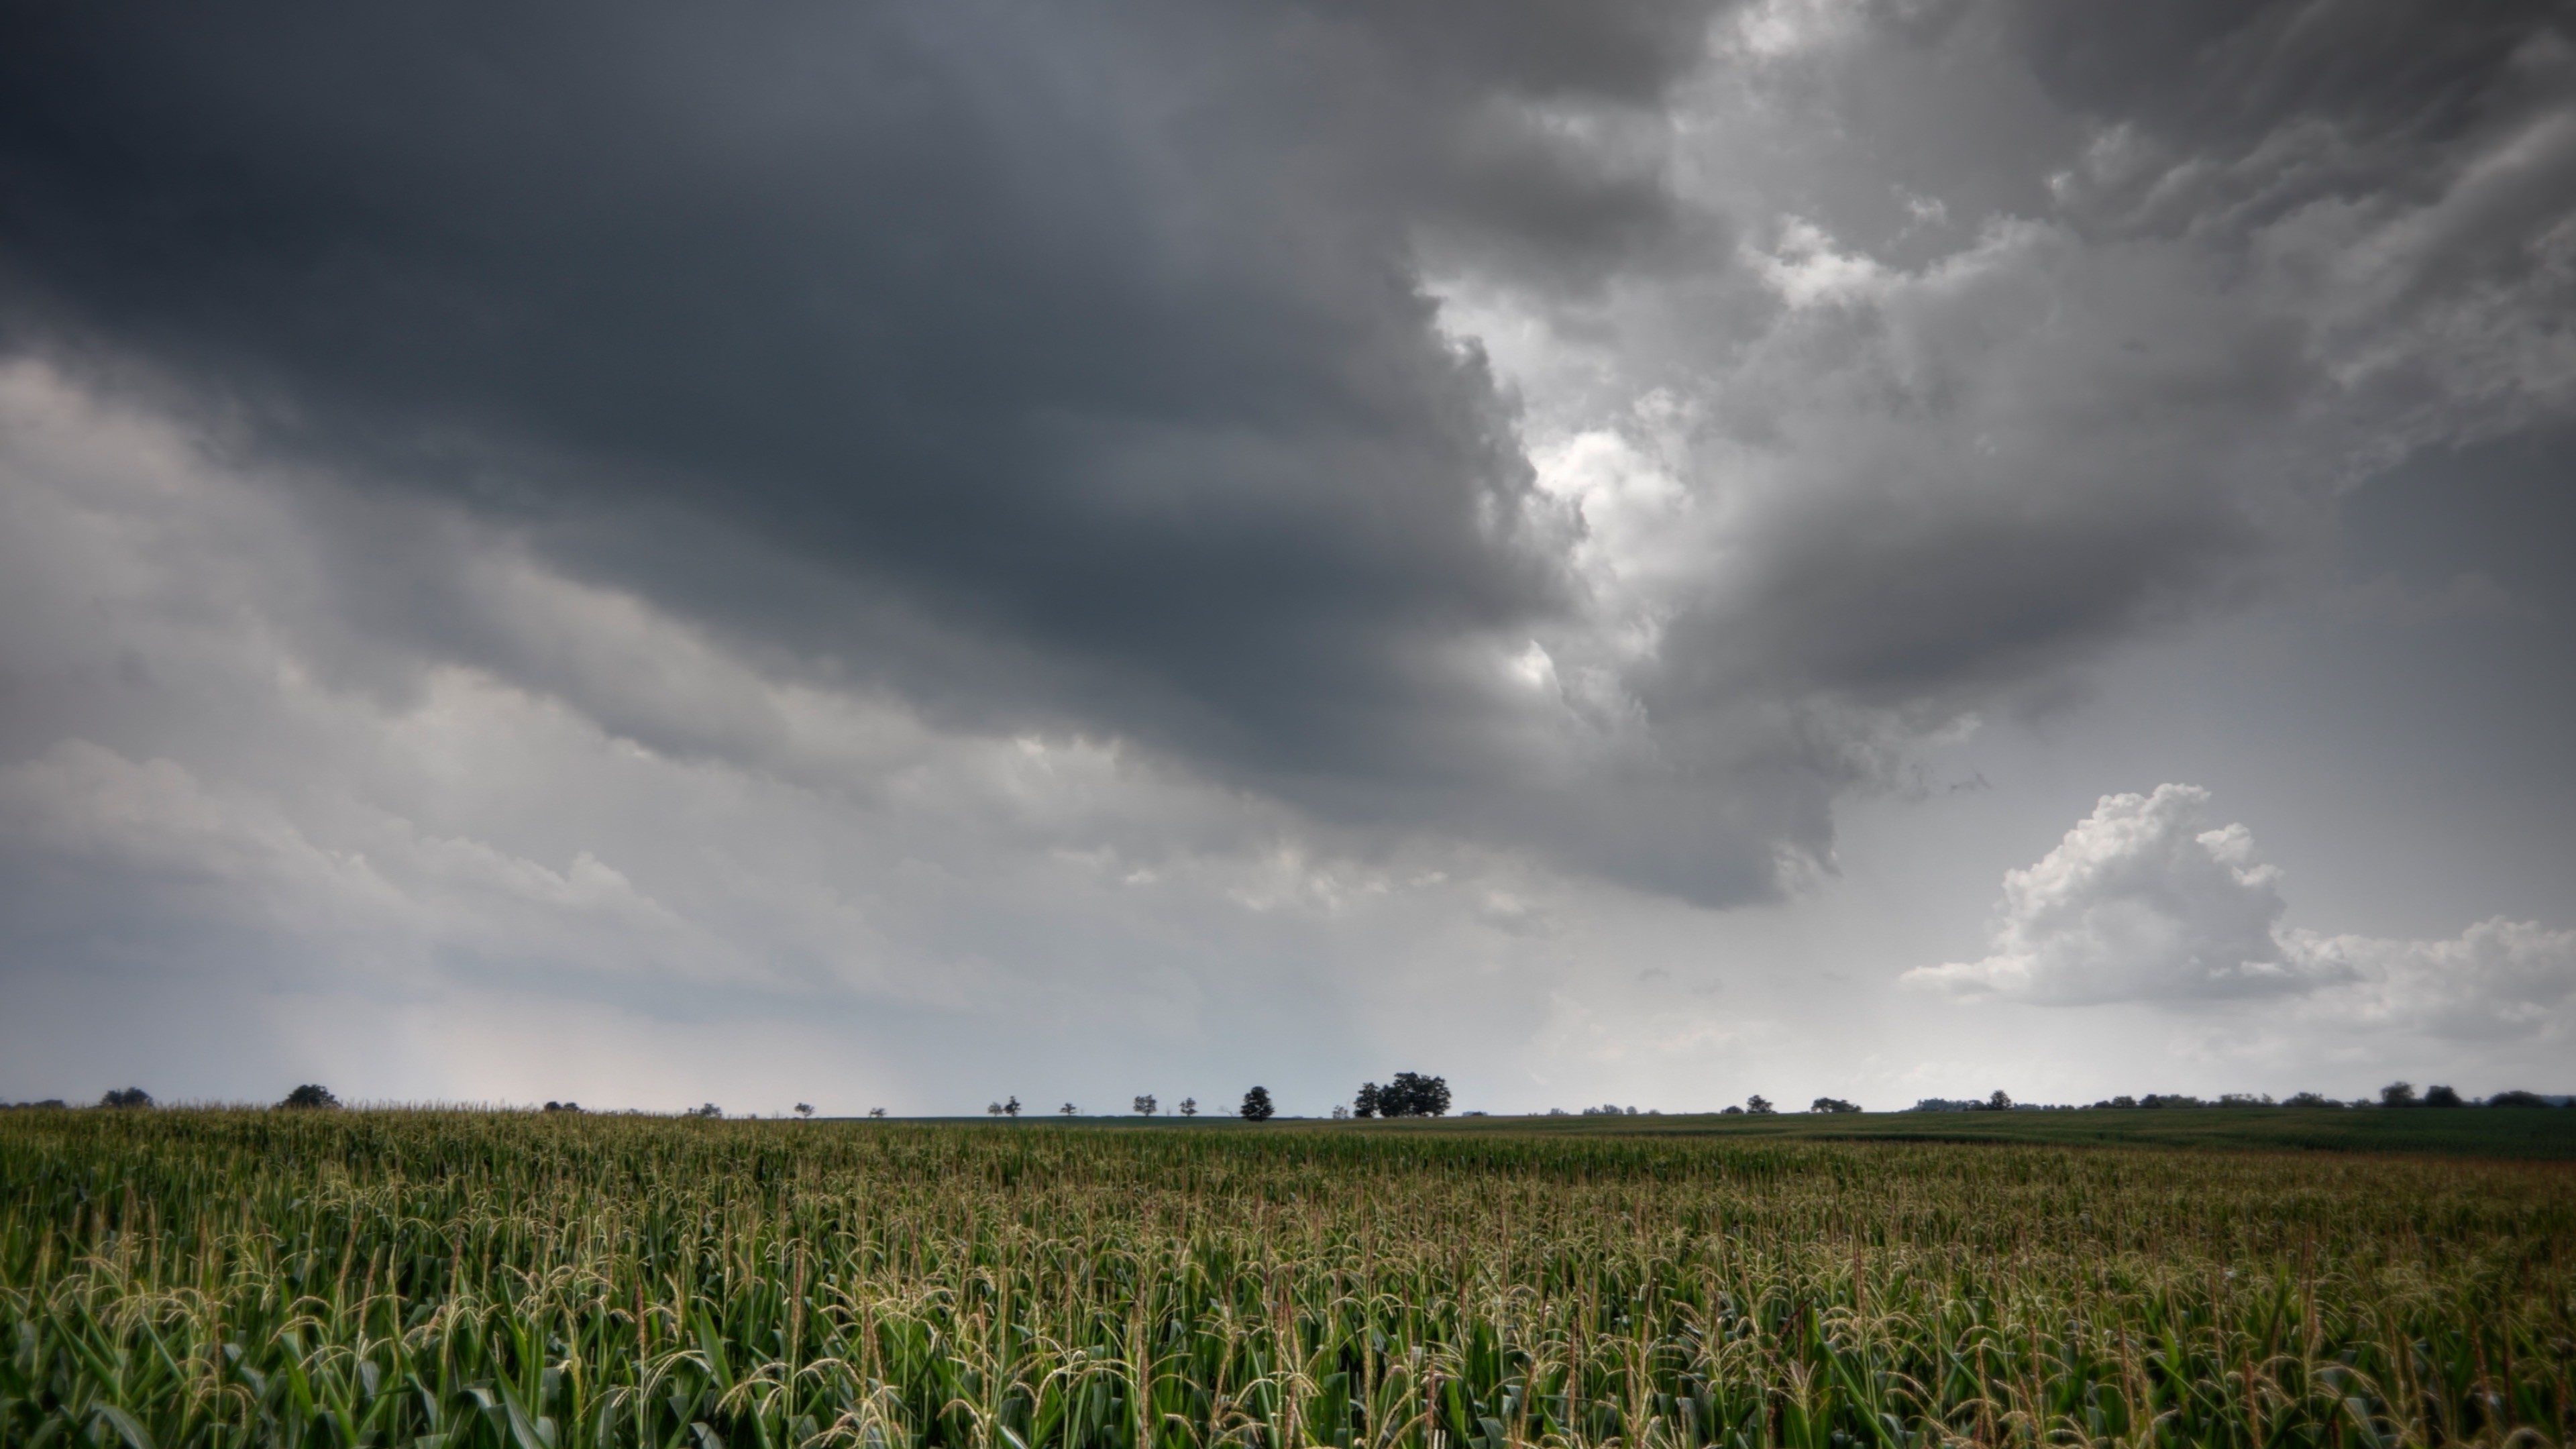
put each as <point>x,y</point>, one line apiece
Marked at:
<point>455,1279</point>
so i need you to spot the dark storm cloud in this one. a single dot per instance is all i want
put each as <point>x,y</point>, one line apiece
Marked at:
<point>1096,368</point>
<point>1084,338</point>
<point>2213,73</point>
<point>2109,302</point>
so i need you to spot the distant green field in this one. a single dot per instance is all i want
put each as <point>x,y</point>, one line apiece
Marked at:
<point>2544,1133</point>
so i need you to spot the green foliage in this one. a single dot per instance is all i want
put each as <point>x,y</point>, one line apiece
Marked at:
<point>519,1281</point>
<point>311,1094</point>
<point>1256,1105</point>
<point>2548,1134</point>
<point>1411,1094</point>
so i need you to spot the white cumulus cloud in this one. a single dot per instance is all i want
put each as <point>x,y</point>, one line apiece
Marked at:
<point>2145,900</point>
<point>2141,901</point>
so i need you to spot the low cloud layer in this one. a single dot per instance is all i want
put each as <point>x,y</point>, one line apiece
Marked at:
<point>2146,900</point>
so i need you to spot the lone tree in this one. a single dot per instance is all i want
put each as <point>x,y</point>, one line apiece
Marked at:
<point>1189,1106</point>
<point>1011,1107</point>
<point>1759,1105</point>
<point>1832,1104</point>
<point>127,1097</point>
<point>1412,1094</point>
<point>2517,1098</point>
<point>992,1109</point>
<point>1256,1105</point>
<point>1067,1109</point>
<point>1145,1105</point>
<point>876,1111</point>
<point>310,1095</point>
<point>1365,1105</point>
<point>804,1109</point>
<point>1999,1102</point>
<point>2398,1094</point>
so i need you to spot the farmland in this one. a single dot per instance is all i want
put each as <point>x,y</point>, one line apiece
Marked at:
<point>459,1279</point>
<point>2542,1133</point>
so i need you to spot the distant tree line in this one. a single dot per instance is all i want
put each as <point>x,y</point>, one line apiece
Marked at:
<point>1414,1094</point>
<point>2395,1094</point>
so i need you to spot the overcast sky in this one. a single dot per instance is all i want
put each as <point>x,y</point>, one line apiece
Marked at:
<point>903,554</point>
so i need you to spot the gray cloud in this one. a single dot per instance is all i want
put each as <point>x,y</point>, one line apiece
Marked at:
<point>1998,365</point>
<point>1053,325</point>
<point>1213,531</point>
<point>1074,366</point>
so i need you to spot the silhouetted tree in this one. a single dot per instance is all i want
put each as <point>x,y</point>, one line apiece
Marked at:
<point>1412,1094</point>
<point>1832,1104</point>
<point>1758,1105</point>
<point>1256,1105</point>
<point>1067,1109</point>
<point>1999,1102</point>
<point>310,1095</point>
<point>1145,1105</point>
<point>563,1106</point>
<point>804,1109</point>
<point>2442,1097</point>
<point>2398,1094</point>
<point>2517,1098</point>
<point>127,1097</point>
<point>1011,1107</point>
<point>1189,1106</point>
<point>2310,1099</point>
<point>708,1110</point>
<point>1365,1104</point>
<point>876,1111</point>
